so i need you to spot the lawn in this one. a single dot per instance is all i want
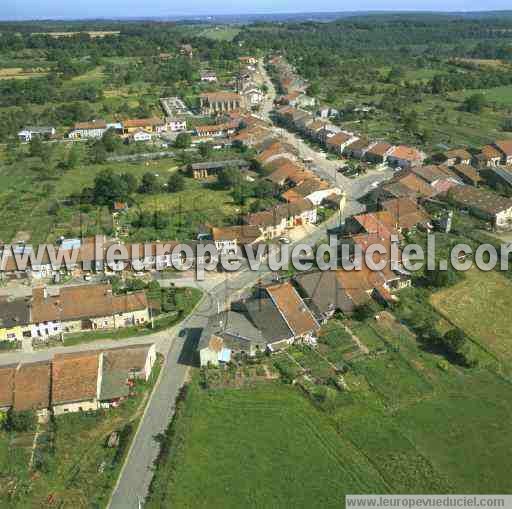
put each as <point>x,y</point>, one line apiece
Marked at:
<point>499,95</point>
<point>479,305</point>
<point>465,433</point>
<point>259,447</point>
<point>74,467</point>
<point>221,33</point>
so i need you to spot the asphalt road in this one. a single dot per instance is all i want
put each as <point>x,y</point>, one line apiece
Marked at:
<point>136,475</point>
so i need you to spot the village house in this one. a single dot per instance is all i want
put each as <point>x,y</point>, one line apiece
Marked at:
<point>380,222</point>
<point>140,136</point>
<point>275,151</point>
<point>176,124</point>
<point>14,318</point>
<point>405,184</point>
<point>314,189</point>
<point>27,133</point>
<point>505,147</point>
<point>215,131</point>
<point>228,334</point>
<point>286,172</point>
<point>276,221</point>
<point>85,307</point>
<point>253,96</point>
<point>357,149</point>
<point>406,214</point>
<point>327,292</point>
<point>484,204</point>
<point>209,169</point>
<point>327,132</point>
<point>209,76</point>
<point>468,174</point>
<point>215,103</point>
<point>340,141</point>
<point>32,388</point>
<point>488,156</point>
<point>440,178</point>
<point>378,152</point>
<point>151,125</point>
<point>87,130</point>
<point>229,238</point>
<point>498,177</point>
<point>75,382</point>
<point>457,156</point>
<point>119,368</point>
<point>282,316</point>
<point>406,157</point>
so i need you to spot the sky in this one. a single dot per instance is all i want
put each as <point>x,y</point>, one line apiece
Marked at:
<point>57,9</point>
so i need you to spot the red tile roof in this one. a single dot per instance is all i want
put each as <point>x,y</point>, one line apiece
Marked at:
<point>32,386</point>
<point>297,315</point>
<point>143,122</point>
<point>7,385</point>
<point>406,153</point>
<point>505,146</point>
<point>74,377</point>
<point>84,301</point>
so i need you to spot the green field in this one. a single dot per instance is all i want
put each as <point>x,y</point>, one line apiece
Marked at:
<point>34,199</point>
<point>408,423</point>
<point>499,95</point>
<point>260,447</point>
<point>220,33</point>
<point>479,305</point>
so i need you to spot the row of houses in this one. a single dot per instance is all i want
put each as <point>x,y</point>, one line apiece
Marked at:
<point>71,309</point>
<point>459,185</point>
<point>282,314</point>
<point>140,129</point>
<point>300,190</point>
<point>349,144</point>
<point>73,382</point>
<point>79,257</point>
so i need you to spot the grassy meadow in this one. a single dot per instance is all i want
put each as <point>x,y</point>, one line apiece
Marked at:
<point>479,305</point>
<point>409,422</point>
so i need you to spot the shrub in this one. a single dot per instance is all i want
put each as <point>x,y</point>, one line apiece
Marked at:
<point>20,421</point>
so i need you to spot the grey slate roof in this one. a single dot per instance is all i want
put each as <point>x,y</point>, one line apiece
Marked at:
<point>14,312</point>
<point>324,292</point>
<point>234,328</point>
<point>265,316</point>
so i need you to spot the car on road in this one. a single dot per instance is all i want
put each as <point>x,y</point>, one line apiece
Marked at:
<point>284,240</point>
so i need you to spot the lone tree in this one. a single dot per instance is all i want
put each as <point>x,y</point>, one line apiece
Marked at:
<point>176,182</point>
<point>475,103</point>
<point>183,140</point>
<point>229,178</point>
<point>149,184</point>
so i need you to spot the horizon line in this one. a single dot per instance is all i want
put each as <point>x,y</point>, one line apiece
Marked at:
<point>211,16</point>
